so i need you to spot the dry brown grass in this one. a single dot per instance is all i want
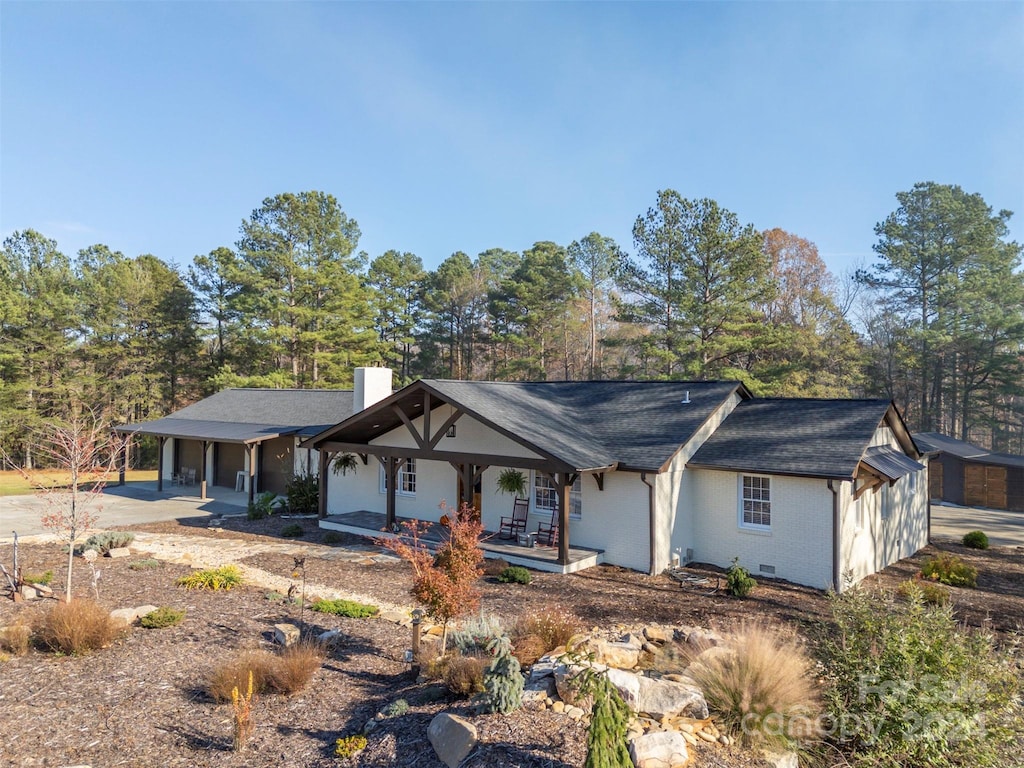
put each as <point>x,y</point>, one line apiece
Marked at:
<point>492,567</point>
<point>15,638</point>
<point>234,674</point>
<point>462,675</point>
<point>295,666</point>
<point>552,626</point>
<point>78,627</point>
<point>286,672</point>
<point>760,684</point>
<point>528,648</point>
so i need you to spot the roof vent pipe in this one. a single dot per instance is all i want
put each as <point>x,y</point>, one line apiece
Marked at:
<point>686,400</point>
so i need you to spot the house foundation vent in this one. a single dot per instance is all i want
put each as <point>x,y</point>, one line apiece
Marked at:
<point>768,569</point>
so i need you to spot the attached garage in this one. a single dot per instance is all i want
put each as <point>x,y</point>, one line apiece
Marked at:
<point>966,474</point>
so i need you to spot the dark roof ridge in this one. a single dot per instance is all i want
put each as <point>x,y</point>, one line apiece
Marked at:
<point>282,389</point>
<point>758,399</point>
<point>587,381</point>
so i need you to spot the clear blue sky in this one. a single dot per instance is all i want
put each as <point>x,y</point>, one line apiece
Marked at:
<point>157,127</point>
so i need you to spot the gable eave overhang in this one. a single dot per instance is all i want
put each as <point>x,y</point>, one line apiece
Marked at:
<point>899,429</point>
<point>752,470</point>
<point>210,435</point>
<point>740,389</point>
<point>328,438</point>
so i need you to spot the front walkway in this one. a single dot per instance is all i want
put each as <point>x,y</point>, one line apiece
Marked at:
<point>540,558</point>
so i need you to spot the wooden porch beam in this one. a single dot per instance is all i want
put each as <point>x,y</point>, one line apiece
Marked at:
<point>409,425</point>
<point>365,457</point>
<point>383,451</point>
<point>433,441</point>
<point>426,416</point>
<point>599,477</point>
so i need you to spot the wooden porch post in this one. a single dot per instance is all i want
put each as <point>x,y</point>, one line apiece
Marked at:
<point>468,482</point>
<point>202,471</point>
<point>391,470</point>
<point>324,461</point>
<point>563,483</point>
<point>160,463</point>
<point>252,472</point>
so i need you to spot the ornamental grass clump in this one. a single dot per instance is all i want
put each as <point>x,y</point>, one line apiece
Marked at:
<point>108,540</point>
<point>225,577</point>
<point>77,627</point>
<point>294,667</point>
<point>760,684</point>
<point>906,685</point>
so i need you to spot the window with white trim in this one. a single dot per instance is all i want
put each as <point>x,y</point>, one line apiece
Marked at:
<point>755,502</point>
<point>406,479</point>
<point>545,495</point>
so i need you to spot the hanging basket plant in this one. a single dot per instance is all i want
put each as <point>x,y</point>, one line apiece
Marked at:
<point>512,481</point>
<point>344,463</point>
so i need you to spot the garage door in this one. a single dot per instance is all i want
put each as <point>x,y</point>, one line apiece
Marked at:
<point>935,479</point>
<point>985,486</point>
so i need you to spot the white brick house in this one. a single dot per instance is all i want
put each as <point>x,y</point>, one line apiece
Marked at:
<point>639,474</point>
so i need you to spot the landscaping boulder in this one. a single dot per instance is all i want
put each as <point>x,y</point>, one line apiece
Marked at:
<point>655,634</point>
<point>627,684</point>
<point>286,634</point>
<point>781,759</point>
<point>666,698</point>
<point>130,615</point>
<point>659,749</point>
<point>568,686</point>
<point>452,738</point>
<point>119,552</point>
<point>621,655</point>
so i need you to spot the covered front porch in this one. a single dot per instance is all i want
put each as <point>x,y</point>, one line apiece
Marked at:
<point>541,558</point>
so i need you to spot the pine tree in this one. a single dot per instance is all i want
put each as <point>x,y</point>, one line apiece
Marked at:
<point>609,723</point>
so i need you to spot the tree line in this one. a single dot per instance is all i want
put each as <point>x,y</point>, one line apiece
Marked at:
<point>937,323</point>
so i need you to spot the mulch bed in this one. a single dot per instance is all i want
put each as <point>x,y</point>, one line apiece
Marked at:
<point>141,702</point>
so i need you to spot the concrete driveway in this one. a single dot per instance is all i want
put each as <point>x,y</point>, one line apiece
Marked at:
<point>118,506</point>
<point>1004,529</point>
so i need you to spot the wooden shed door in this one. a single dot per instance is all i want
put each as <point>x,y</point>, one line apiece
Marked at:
<point>935,479</point>
<point>984,486</point>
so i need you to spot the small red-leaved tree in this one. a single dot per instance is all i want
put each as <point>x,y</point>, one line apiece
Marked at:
<point>85,451</point>
<point>445,581</point>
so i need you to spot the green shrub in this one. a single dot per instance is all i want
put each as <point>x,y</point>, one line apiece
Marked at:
<point>303,494</point>
<point>906,685</point>
<point>332,537</point>
<point>396,708</point>
<point>38,578</point>
<point>503,682</point>
<point>950,569</point>
<point>933,594</point>
<point>738,581</point>
<point>162,617</point>
<point>106,541</point>
<point>515,574</point>
<point>144,564</point>
<point>976,540</point>
<point>349,746</point>
<point>262,506</point>
<point>349,608</point>
<point>225,577</point>
<point>474,635</point>
<point>293,531</point>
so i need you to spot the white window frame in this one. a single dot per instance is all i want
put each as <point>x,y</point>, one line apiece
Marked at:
<point>539,481</point>
<point>406,479</point>
<point>742,503</point>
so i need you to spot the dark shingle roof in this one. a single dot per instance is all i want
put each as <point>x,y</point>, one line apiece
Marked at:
<point>248,414</point>
<point>807,437</point>
<point>636,424</point>
<point>932,442</point>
